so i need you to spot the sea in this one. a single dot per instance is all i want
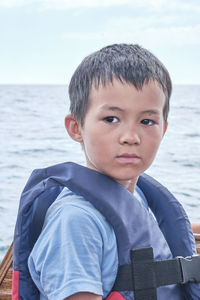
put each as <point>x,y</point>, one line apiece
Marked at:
<point>32,135</point>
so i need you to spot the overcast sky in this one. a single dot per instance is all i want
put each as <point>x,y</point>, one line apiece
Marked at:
<point>43,41</point>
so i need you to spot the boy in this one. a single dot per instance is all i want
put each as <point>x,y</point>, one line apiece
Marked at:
<point>119,108</point>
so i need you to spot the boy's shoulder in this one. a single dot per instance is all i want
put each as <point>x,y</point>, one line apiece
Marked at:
<point>73,209</point>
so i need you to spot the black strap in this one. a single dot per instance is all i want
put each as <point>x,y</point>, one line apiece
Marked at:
<point>144,274</point>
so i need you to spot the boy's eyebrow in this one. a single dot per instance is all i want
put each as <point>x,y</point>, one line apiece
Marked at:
<point>113,108</point>
<point>116,108</point>
<point>151,112</point>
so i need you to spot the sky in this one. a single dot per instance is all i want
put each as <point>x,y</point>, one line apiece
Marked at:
<point>43,41</point>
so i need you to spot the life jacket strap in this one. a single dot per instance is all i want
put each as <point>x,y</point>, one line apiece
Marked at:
<point>144,274</point>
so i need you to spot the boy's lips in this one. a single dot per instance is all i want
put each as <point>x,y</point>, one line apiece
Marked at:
<point>128,158</point>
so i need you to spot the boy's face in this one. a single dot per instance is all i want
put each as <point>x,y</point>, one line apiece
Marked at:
<point>123,129</point>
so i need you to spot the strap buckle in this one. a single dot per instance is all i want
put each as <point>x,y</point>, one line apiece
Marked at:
<point>190,267</point>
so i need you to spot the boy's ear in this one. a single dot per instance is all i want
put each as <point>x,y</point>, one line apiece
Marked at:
<point>165,127</point>
<point>73,128</point>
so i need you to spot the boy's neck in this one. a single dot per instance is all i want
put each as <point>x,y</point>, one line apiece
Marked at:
<point>129,184</point>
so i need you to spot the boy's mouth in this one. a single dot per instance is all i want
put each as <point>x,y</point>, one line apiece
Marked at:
<point>128,158</point>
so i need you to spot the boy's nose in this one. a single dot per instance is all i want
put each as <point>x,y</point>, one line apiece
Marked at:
<point>130,137</point>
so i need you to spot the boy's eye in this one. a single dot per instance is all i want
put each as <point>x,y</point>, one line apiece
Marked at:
<point>148,122</point>
<point>111,119</point>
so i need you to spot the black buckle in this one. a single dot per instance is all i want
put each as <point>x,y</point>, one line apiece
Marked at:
<point>190,267</point>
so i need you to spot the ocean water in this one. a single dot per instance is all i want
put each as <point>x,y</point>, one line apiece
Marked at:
<point>32,136</point>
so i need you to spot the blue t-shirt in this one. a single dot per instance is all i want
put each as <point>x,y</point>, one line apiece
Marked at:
<point>76,250</point>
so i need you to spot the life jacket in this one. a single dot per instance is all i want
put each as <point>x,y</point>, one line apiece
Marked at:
<point>170,235</point>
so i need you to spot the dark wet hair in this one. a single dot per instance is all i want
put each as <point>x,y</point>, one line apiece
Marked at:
<point>127,63</point>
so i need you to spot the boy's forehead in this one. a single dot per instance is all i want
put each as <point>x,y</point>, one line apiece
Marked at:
<point>102,86</point>
<point>114,83</point>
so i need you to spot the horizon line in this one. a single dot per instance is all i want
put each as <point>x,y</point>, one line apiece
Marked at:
<point>49,83</point>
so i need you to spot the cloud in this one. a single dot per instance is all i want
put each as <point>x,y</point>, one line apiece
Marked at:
<point>154,30</point>
<point>85,36</point>
<point>15,3</point>
<point>179,35</point>
<point>193,5</point>
<point>150,31</point>
<point>64,4</point>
